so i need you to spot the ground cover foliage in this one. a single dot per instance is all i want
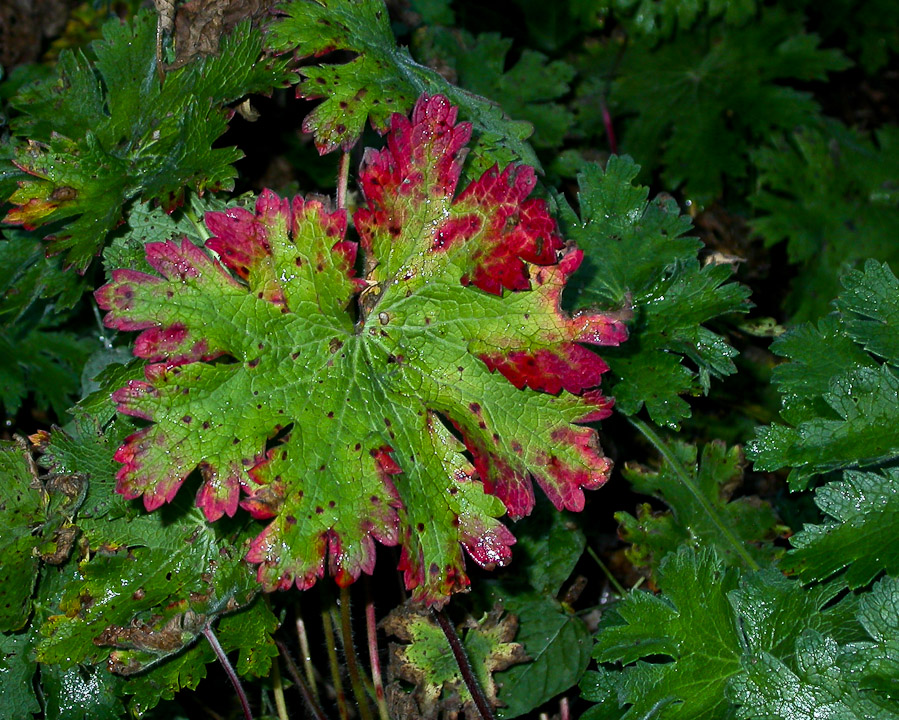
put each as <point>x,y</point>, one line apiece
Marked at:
<point>428,360</point>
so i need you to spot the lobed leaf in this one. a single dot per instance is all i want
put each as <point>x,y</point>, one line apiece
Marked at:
<point>637,255</point>
<point>826,193</point>
<point>380,80</point>
<point>528,90</point>
<point>842,411</point>
<point>859,534</point>
<point>455,328</point>
<point>103,133</point>
<point>692,121</point>
<point>691,626</point>
<point>703,511</point>
<point>426,660</point>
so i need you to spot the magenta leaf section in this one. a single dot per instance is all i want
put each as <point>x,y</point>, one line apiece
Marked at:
<point>410,396</point>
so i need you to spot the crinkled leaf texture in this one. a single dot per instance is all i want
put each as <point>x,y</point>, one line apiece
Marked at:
<point>337,407</point>
<point>842,402</point>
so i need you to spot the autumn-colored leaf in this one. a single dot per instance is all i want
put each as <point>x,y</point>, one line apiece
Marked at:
<point>342,407</point>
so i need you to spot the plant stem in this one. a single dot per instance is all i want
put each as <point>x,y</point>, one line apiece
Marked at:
<point>685,478</point>
<point>471,682</point>
<point>349,652</point>
<point>278,689</point>
<point>307,654</point>
<point>619,588</point>
<point>607,122</point>
<point>198,225</point>
<point>229,669</point>
<point>333,664</point>
<point>343,178</point>
<point>371,630</point>
<point>311,701</point>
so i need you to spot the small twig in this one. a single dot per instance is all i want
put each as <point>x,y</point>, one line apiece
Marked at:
<point>333,664</point>
<point>564,710</point>
<point>229,670</point>
<point>371,630</point>
<point>349,653</point>
<point>471,682</point>
<point>343,179</point>
<point>311,702</point>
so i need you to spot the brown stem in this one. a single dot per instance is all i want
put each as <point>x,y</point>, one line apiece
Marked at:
<point>301,684</point>
<point>229,670</point>
<point>471,682</point>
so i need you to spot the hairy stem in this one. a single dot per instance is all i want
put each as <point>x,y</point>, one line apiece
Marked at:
<point>303,638</point>
<point>310,700</point>
<point>343,178</point>
<point>685,478</point>
<point>229,670</point>
<point>333,664</point>
<point>471,682</point>
<point>349,652</point>
<point>278,689</point>
<point>371,630</point>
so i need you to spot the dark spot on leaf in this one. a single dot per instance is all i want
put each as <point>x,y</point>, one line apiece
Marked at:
<point>235,441</point>
<point>331,414</point>
<point>319,510</point>
<point>474,407</point>
<point>421,527</point>
<point>331,503</point>
<point>186,419</point>
<point>253,363</point>
<point>434,569</point>
<point>291,520</point>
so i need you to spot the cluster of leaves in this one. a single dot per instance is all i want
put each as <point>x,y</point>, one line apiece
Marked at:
<point>759,643</point>
<point>405,365</point>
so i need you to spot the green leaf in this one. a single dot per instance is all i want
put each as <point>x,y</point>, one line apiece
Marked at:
<point>45,362</point>
<point>863,511</point>
<point>710,520</point>
<point>659,19</point>
<point>103,133</point>
<point>146,591</point>
<point>636,256</point>
<point>693,120</point>
<point>380,80</point>
<point>817,688</point>
<point>17,669</point>
<point>527,90</point>
<point>829,194</point>
<point>874,662</point>
<point>558,645</point>
<point>844,420</point>
<point>692,626</point>
<point>33,277</point>
<point>36,526</point>
<point>370,372</point>
<point>427,661</point>
<point>549,544</point>
<point>81,693</point>
<point>251,630</point>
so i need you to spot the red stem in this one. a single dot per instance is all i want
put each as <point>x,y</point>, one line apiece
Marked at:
<point>471,682</point>
<point>607,122</point>
<point>229,670</point>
